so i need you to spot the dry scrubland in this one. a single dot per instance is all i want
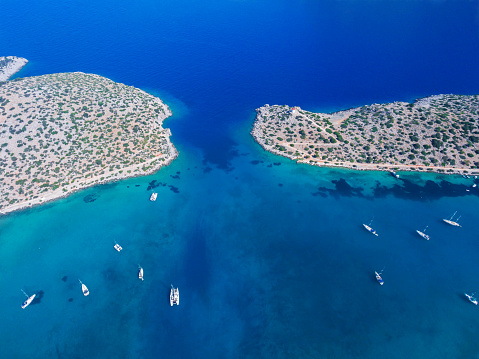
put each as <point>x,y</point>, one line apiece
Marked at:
<point>63,132</point>
<point>9,65</point>
<point>438,133</point>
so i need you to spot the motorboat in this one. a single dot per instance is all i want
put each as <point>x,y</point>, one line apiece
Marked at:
<point>140,272</point>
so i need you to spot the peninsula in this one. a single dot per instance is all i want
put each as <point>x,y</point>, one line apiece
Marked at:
<point>67,131</point>
<point>9,65</point>
<point>438,133</point>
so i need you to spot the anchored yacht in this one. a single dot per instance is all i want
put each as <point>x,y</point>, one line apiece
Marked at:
<point>378,278</point>
<point>451,222</point>
<point>153,196</point>
<point>84,289</point>
<point>174,296</point>
<point>471,298</point>
<point>28,301</point>
<point>423,234</point>
<point>370,229</point>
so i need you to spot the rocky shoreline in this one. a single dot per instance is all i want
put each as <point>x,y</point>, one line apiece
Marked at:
<point>10,65</point>
<point>63,194</point>
<point>434,134</point>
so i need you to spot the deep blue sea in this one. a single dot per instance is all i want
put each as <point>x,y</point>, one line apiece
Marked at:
<point>270,257</point>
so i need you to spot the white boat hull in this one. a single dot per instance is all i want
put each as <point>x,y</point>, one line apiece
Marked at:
<point>423,235</point>
<point>174,296</point>
<point>471,299</point>
<point>370,229</point>
<point>28,301</point>
<point>452,223</point>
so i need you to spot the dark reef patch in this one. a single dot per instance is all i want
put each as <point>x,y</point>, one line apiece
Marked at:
<point>65,278</point>
<point>408,190</point>
<point>91,197</point>
<point>152,184</point>
<point>174,189</point>
<point>256,162</point>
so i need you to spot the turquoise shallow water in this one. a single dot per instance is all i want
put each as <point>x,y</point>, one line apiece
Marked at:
<point>265,266</point>
<point>270,256</point>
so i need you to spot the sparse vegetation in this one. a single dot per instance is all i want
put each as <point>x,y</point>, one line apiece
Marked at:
<point>446,127</point>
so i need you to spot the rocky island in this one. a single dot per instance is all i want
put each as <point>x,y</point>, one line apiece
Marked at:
<point>9,65</point>
<point>67,131</point>
<point>438,133</point>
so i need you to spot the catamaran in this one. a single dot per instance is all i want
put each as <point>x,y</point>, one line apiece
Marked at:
<point>471,298</point>
<point>451,222</point>
<point>370,229</point>
<point>423,233</point>
<point>378,278</point>
<point>174,296</point>
<point>117,247</point>
<point>140,272</point>
<point>84,289</point>
<point>28,301</point>
<point>153,196</point>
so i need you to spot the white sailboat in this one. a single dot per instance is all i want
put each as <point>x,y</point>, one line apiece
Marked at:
<point>367,226</point>
<point>29,300</point>
<point>423,233</point>
<point>84,289</point>
<point>471,298</point>
<point>451,222</point>
<point>174,296</point>
<point>153,196</point>
<point>140,272</point>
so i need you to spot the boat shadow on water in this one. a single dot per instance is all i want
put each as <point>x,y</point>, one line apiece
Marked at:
<point>38,297</point>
